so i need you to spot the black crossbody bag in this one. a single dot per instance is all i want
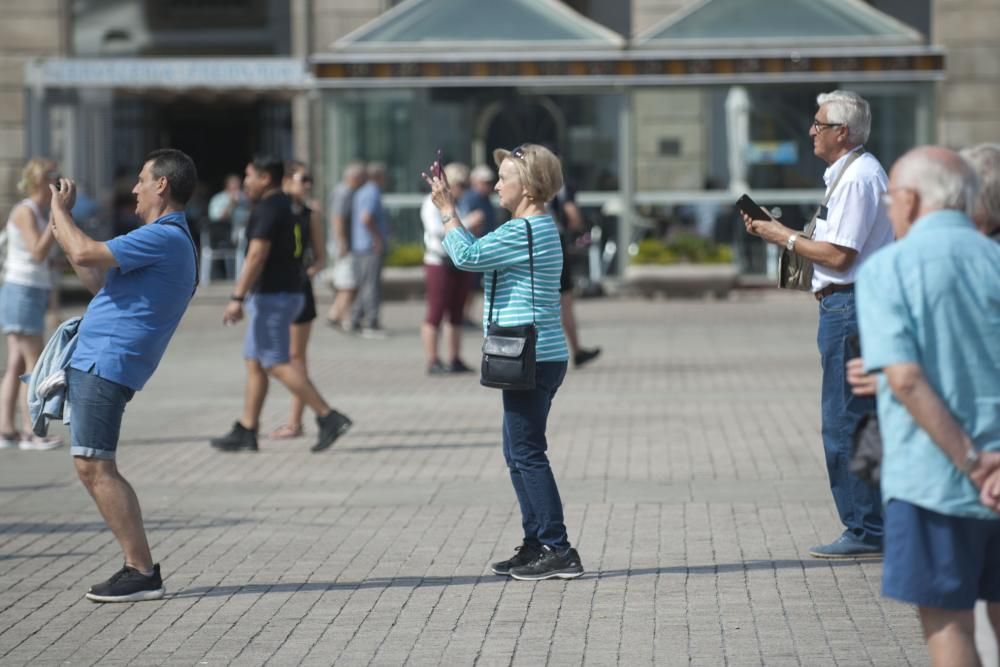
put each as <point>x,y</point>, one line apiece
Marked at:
<point>509,352</point>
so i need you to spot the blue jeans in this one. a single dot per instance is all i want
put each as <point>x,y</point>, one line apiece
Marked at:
<point>525,414</point>
<point>859,505</point>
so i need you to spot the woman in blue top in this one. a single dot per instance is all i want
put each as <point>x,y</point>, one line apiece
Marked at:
<point>529,176</point>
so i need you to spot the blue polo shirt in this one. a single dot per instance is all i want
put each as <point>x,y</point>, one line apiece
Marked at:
<point>933,299</point>
<point>129,322</point>
<point>367,201</point>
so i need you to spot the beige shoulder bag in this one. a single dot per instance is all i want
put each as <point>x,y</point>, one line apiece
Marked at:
<point>795,271</point>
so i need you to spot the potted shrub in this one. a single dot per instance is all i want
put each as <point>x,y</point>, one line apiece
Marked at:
<point>685,265</point>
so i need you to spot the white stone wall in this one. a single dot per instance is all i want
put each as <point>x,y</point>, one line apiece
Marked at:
<point>969,100</point>
<point>647,13</point>
<point>332,19</point>
<point>28,28</point>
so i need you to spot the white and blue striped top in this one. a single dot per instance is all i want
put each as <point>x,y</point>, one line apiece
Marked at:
<point>505,250</point>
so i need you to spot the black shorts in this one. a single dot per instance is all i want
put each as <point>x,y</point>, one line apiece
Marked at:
<point>308,313</point>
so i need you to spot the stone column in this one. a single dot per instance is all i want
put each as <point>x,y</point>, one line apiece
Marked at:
<point>969,100</point>
<point>28,29</point>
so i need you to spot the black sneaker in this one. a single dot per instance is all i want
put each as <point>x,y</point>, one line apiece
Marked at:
<point>239,438</point>
<point>585,356</point>
<point>550,565</point>
<point>523,555</point>
<point>437,368</point>
<point>128,585</point>
<point>331,427</point>
<point>458,367</point>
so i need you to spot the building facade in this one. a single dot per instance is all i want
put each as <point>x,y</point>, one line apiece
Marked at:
<point>645,99</point>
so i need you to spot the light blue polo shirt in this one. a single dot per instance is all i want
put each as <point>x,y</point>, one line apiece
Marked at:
<point>129,322</point>
<point>367,200</point>
<point>933,298</point>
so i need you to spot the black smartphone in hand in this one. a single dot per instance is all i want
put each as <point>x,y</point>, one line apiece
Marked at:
<point>751,208</point>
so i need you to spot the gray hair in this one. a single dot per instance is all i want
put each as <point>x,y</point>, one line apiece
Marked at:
<point>850,109</point>
<point>483,174</point>
<point>354,169</point>
<point>940,176</point>
<point>375,170</point>
<point>985,161</point>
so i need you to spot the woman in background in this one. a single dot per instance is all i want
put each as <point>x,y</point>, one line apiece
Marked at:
<point>24,298</point>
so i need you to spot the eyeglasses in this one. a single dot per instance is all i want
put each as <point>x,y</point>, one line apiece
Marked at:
<point>518,152</point>
<point>819,126</point>
<point>305,178</point>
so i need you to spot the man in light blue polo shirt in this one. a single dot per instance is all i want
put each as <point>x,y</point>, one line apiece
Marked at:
<point>929,315</point>
<point>142,283</point>
<point>369,239</point>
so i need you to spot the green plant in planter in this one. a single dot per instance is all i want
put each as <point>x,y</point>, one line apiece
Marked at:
<point>682,249</point>
<point>405,254</point>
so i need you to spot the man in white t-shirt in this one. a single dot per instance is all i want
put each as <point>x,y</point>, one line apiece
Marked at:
<point>849,228</point>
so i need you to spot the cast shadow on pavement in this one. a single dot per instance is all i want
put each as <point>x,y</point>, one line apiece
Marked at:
<point>467,580</point>
<point>33,527</point>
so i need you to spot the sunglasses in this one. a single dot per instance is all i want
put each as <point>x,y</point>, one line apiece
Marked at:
<point>518,152</point>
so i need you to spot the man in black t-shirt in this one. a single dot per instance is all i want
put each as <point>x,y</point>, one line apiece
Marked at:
<point>270,284</point>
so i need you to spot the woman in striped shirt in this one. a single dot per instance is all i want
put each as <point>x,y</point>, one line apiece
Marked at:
<point>529,176</point>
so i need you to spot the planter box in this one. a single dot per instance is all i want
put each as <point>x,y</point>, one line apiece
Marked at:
<point>402,283</point>
<point>681,280</point>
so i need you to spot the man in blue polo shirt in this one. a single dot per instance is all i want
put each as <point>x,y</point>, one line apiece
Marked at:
<point>928,314</point>
<point>142,283</point>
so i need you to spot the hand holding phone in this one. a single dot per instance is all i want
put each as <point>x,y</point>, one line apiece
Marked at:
<point>751,208</point>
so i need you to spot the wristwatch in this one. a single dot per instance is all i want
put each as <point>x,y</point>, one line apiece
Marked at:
<point>445,217</point>
<point>790,243</point>
<point>969,464</point>
<point>238,299</point>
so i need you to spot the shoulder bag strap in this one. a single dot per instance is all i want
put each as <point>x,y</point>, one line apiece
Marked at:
<point>810,229</point>
<point>197,268</point>
<point>531,268</point>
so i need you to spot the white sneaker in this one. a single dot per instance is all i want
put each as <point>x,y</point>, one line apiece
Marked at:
<point>9,440</point>
<point>374,333</point>
<point>36,444</point>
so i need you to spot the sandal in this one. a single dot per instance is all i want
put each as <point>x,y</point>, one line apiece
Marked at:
<point>286,432</point>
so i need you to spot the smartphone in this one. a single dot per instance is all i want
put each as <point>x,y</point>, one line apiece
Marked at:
<point>751,208</point>
<point>852,346</point>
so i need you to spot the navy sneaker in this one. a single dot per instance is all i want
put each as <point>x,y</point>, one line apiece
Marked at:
<point>550,565</point>
<point>846,546</point>
<point>331,427</point>
<point>523,555</point>
<point>239,438</point>
<point>128,585</point>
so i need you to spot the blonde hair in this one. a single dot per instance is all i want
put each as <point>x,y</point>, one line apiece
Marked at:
<point>456,173</point>
<point>538,167</point>
<point>33,175</point>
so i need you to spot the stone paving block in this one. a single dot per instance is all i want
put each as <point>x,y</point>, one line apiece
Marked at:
<point>690,497</point>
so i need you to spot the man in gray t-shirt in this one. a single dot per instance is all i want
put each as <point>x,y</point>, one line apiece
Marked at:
<point>344,275</point>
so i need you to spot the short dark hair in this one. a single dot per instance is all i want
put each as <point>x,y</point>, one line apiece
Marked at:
<point>179,170</point>
<point>270,165</point>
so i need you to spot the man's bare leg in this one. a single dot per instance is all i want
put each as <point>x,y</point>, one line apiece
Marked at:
<point>119,506</point>
<point>951,637</point>
<point>254,394</point>
<point>297,382</point>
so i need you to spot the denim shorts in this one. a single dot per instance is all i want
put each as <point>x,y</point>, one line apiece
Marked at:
<point>96,409</point>
<point>269,317</point>
<point>934,560</point>
<point>22,309</point>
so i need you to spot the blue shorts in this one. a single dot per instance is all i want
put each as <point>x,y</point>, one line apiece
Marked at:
<point>934,560</point>
<point>269,317</point>
<point>96,409</point>
<point>22,309</point>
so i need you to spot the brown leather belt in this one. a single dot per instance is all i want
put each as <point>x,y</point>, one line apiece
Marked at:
<point>830,289</point>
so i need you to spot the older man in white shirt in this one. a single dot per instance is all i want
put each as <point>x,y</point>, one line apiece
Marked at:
<point>849,228</point>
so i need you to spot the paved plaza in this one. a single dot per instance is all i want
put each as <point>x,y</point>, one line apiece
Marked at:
<point>689,460</point>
